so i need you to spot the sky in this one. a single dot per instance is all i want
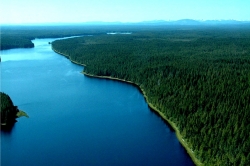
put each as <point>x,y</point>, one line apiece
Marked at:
<point>76,11</point>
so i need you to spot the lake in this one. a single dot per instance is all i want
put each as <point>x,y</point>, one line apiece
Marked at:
<point>78,120</point>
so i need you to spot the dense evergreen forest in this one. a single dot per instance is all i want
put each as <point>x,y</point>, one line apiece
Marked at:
<point>8,42</point>
<point>8,110</point>
<point>199,78</point>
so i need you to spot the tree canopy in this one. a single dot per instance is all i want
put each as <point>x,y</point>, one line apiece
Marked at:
<point>198,78</point>
<point>8,110</point>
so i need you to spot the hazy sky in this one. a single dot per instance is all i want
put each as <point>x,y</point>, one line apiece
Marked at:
<point>56,11</point>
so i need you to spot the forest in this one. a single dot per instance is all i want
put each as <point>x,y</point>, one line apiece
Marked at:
<point>8,110</point>
<point>198,77</point>
<point>22,36</point>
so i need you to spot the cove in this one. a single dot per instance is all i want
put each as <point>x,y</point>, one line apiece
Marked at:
<point>78,120</point>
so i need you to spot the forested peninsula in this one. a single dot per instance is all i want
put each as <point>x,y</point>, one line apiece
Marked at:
<point>9,112</point>
<point>197,78</point>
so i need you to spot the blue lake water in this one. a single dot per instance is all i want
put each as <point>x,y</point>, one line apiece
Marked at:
<point>77,120</point>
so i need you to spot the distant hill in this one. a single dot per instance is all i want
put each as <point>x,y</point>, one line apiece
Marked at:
<point>224,22</point>
<point>193,22</point>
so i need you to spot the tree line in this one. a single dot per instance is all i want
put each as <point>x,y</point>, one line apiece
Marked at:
<point>199,78</point>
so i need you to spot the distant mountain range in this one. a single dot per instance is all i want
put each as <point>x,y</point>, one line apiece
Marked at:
<point>155,22</point>
<point>193,22</point>
<point>177,22</point>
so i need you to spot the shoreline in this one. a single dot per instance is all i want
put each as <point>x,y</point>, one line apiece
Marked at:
<point>153,108</point>
<point>172,124</point>
<point>67,57</point>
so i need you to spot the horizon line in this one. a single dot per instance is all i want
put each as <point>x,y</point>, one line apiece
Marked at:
<point>124,22</point>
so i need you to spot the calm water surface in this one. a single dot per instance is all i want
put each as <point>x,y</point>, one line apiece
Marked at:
<point>76,120</point>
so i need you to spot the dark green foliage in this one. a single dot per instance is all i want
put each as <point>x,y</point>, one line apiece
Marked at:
<point>199,78</point>
<point>8,42</point>
<point>8,110</point>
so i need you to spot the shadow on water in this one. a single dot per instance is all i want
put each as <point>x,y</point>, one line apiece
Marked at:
<point>166,123</point>
<point>7,128</point>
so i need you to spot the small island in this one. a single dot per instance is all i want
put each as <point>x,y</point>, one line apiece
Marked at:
<point>9,112</point>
